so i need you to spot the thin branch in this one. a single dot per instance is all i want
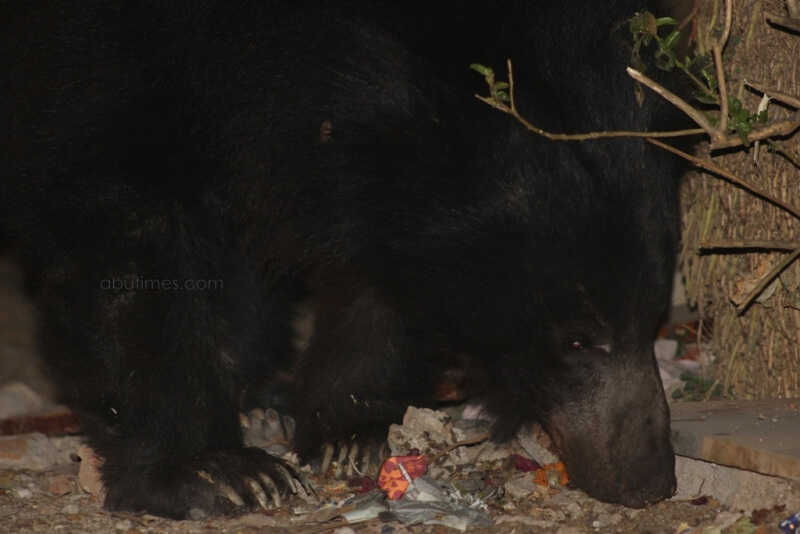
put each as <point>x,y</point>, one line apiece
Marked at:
<point>675,100</point>
<point>738,245</point>
<point>469,441</point>
<point>723,93</point>
<point>728,18</point>
<point>511,84</point>
<point>767,279</point>
<point>722,84</point>
<point>718,138</point>
<point>707,165</point>
<point>786,22</point>
<point>512,110</point>
<point>783,152</point>
<point>774,94</point>
<point>773,129</point>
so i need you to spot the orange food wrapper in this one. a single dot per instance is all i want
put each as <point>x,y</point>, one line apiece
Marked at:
<point>552,473</point>
<point>393,481</point>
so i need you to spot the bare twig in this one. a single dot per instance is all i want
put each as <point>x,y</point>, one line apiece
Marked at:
<point>738,245</point>
<point>774,94</point>
<point>722,84</point>
<point>728,18</point>
<point>718,138</point>
<point>723,94</point>
<point>675,100</point>
<point>584,136</point>
<point>512,110</point>
<point>786,22</point>
<point>469,441</point>
<point>511,84</point>
<point>778,128</point>
<point>767,279</point>
<point>707,165</point>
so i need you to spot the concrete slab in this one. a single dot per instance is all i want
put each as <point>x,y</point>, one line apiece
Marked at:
<point>761,436</point>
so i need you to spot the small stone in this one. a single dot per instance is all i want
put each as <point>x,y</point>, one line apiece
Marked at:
<point>606,520</point>
<point>522,521</point>
<point>33,451</point>
<point>62,485</point>
<point>574,510</point>
<point>23,493</point>
<point>89,475</point>
<point>633,513</point>
<point>519,488</point>
<point>71,509</point>
<point>12,449</point>
<point>125,525</point>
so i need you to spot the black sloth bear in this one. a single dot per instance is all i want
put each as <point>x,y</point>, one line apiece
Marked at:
<point>180,174</point>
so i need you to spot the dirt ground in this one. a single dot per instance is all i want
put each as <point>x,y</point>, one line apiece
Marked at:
<point>51,500</point>
<point>40,489</point>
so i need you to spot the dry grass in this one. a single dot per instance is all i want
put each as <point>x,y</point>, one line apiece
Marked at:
<point>758,349</point>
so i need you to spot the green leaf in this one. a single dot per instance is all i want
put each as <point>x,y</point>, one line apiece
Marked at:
<point>666,21</point>
<point>743,126</point>
<point>485,71</point>
<point>763,117</point>
<point>705,98</point>
<point>743,137</point>
<point>712,119</point>
<point>734,105</point>
<point>664,63</point>
<point>643,24</point>
<point>711,79</point>
<point>501,85</point>
<point>501,95</point>
<point>670,40</point>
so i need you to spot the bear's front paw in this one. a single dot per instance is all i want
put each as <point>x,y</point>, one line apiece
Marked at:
<point>214,483</point>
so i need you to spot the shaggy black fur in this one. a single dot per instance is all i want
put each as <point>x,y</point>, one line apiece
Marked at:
<point>179,173</point>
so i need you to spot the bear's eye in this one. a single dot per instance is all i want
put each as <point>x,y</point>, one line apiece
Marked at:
<point>576,345</point>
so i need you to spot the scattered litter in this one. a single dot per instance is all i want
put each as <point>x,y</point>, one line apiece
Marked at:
<point>428,502</point>
<point>534,442</point>
<point>524,464</point>
<point>425,501</point>
<point>671,368</point>
<point>791,525</point>
<point>397,472</point>
<point>426,430</point>
<point>553,475</point>
<point>364,507</point>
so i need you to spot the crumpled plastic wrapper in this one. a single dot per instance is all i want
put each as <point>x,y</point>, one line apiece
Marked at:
<point>397,472</point>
